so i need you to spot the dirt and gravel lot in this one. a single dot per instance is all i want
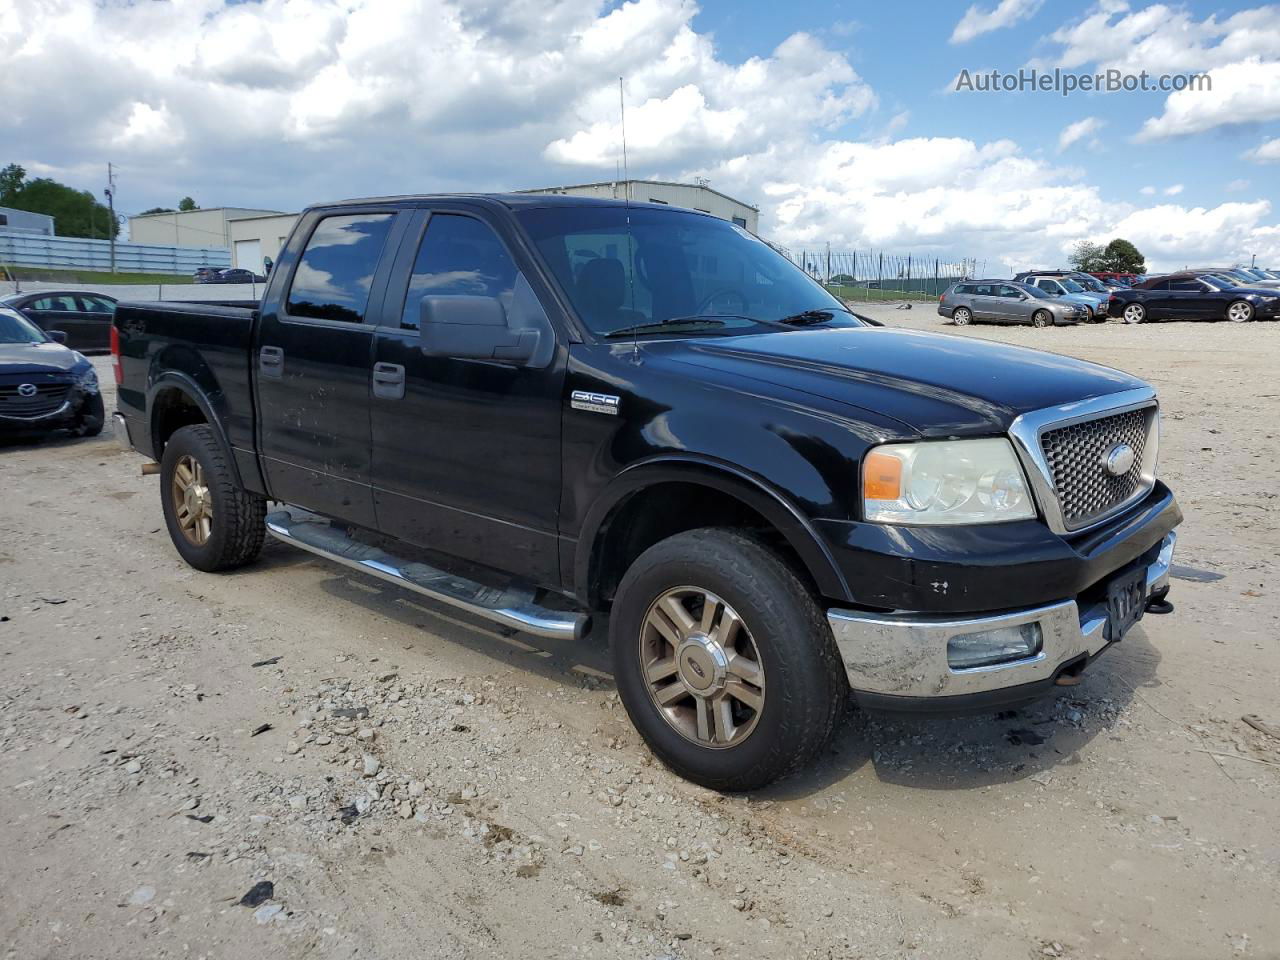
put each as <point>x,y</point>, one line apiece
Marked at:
<point>432,787</point>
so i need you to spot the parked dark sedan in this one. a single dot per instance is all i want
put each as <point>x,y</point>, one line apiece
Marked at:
<point>84,317</point>
<point>44,385</point>
<point>1193,296</point>
<point>206,274</point>
<point>237,275</point>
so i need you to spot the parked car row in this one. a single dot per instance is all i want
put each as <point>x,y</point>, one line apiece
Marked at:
<point>1050,297</point>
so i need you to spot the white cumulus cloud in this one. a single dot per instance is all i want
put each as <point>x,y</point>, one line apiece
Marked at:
<point>977,20</point>
<point>1078,131</point>
<point>1266,152</point>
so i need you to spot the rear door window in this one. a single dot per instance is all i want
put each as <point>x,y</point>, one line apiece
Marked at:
<point>335,272</point>
<point>54,303</point>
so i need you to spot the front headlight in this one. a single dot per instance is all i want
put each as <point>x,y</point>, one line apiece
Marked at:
<point>945,481</point>
<point>87,380</point>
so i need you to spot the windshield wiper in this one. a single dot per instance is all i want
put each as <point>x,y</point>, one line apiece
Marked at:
<point>698,320</point>
<point>807,318</point>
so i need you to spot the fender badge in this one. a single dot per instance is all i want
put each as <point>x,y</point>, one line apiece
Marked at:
<point>594,402</point>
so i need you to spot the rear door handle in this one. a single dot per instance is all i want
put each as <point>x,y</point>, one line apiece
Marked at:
<point>388,381</point>
<point>271,362</point>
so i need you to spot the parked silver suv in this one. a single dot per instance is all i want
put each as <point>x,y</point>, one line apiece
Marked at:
<point>1006,301</point>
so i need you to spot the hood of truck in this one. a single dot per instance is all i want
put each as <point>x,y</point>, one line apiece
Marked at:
<point>37,358</point>
<point>937,384</point>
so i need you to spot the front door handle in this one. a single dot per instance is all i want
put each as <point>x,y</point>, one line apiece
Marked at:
<point>388,381</point>
<point>271,362</point>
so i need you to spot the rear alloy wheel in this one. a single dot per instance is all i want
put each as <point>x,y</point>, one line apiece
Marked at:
<point>1041,318</point>
<point>724,660</point>
<point>962,316</point>
<point>1240,312</point>
<point>1134,313</point>
<point>213,523</point>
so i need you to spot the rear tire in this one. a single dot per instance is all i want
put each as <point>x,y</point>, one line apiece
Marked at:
<point>1041,318</point>
<point>764,615</point>
<point>1241,311</point>
<point>219,525</point>
<point>961,317</point>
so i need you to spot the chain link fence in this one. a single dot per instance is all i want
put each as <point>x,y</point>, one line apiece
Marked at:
<point>876,275</point>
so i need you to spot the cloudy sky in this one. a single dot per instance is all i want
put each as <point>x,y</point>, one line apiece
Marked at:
<point>839,120</point>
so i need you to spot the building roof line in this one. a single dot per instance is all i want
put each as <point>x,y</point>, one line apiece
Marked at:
<point>660,183</point>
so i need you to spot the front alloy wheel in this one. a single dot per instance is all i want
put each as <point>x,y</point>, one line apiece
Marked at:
<point>1135,313</point>
<point>703,669</point>
<point>1040,318</point>
<point>1240,312</point>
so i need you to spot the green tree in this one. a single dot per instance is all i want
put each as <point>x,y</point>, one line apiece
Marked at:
<point>1123,257</point>
<point>186,204</point>
<point>1088,257</point>
<point>12,178</point>
<point>147,213</point>
<point>75,212</point>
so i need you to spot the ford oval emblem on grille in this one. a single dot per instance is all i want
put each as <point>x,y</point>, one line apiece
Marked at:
<point>1119,459</point>
<point>27,390</point>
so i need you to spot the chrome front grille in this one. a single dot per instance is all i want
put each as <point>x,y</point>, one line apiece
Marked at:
<point>1067,450</point>
<point>48,398</point>
<point>1077,458</point>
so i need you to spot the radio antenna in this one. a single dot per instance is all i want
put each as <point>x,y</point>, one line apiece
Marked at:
<point>622,111</point>
<point>626,187</point>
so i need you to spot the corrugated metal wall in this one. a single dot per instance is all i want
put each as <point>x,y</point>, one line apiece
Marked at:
<point>75,253</point>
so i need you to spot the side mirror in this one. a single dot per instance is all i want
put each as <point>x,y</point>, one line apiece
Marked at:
<point>57,336</point>
<point>1023,296</point>
<point>472,328</point>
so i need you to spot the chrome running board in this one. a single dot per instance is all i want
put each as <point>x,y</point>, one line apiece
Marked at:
<point>512,607</point>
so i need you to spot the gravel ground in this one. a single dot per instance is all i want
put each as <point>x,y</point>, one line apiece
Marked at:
<point>410,782</point>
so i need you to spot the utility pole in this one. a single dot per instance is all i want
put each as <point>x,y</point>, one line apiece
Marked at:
<point>111,206</point>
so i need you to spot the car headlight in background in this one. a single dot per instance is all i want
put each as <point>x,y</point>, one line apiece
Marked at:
<point>945,482</point>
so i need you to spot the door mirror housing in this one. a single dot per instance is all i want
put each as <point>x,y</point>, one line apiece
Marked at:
<point>57,336</point>
<point>473,328</point>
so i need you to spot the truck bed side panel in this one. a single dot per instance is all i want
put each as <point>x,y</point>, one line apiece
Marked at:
<point>202,349</point>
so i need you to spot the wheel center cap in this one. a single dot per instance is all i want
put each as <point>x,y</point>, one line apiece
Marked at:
<point>194,497</point>
<point>702,664</point>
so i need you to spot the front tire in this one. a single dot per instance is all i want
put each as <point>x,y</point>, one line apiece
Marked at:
<point>1041,318</point>
<point>213,523</point>
<point>1134,313</point>
<point>1241,311</point>
<point>961,317</point>
<point>724,660</point>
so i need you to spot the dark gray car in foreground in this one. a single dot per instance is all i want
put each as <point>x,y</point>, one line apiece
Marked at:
<point>1007,301</point>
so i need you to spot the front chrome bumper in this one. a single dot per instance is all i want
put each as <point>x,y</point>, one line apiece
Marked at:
<point>905,655</point>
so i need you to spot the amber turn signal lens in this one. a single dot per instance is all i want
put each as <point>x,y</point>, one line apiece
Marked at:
<point>881,477</point>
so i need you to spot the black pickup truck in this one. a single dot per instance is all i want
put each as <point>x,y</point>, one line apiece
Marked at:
<point>543,408</point>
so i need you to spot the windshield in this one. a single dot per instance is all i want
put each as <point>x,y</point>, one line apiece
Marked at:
<point>1089,283</point>
<point>1033,290</point>
<point>695,273</point>
<point>1071,285</point>
<point>1225,279</point>
<point>15,328</point>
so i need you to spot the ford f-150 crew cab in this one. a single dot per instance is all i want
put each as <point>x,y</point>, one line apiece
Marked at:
<point>543,409</point>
